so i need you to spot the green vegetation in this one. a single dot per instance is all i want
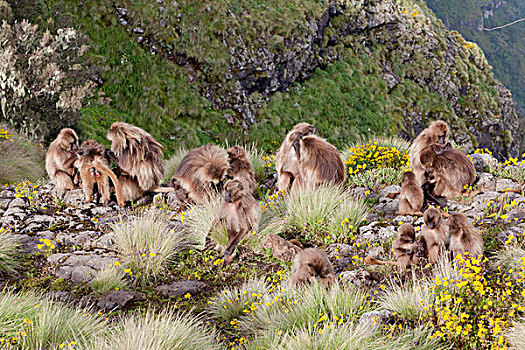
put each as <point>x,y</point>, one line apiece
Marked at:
<point>8,252</point>
<point>503,47</point>
<point>109,278</point>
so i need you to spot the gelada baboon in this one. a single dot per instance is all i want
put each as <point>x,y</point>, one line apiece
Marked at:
<point>411,197</point>
<point>286,158</point>
<point>60,158</point>
<point>239,212</point>
<point>464,237</point>
<point>201,172</point>
<point>437,132</point>
<point>319,163</point>
<point>93,167</point>
<point>433,236</point>
<point>405,249</point>
<point>312,265</point>
<point>241,168</point>
<point>451,169</point>
<point>138,157</point>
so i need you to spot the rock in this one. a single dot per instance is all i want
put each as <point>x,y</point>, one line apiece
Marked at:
<point>487,182</point>
<point>117,299</point>
<point>512,231</point>
<point>390,191</point>
<point>281,248</point>
<point>64,272</point>
<point>21,202</point>
<point>389,208</point>
<point>359,277</point>
<point>78,239</point>
<point>105,241</point>
<point>60,296</point>
<point>181,288</point>
<point>339,249</point>
<point>403,219</point>
<point>363,192</point>
<point>483,162</point>
<point>515,216</point>
<point>82,274</point>
<point>57,258</point>
<point>485,197</point>
<point>503,185</point>
<point>74,197</point>
<point>376,252</point>
<point>382,235</point>
<point>375,317</point>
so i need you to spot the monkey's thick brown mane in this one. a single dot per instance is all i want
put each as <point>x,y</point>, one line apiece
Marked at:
<point>321,155</point>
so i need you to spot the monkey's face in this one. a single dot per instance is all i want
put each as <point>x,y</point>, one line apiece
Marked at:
<point>233,191</point>
<point>454,223</point>
<point>236,152</point>
<point>427,157</point>
<point>69,139</point>
<point>408,177</point>
<point>407,233</point>
<point>441,130</point>
<point>304,128</point>
<point>432,218</point>
<point>318,269</point>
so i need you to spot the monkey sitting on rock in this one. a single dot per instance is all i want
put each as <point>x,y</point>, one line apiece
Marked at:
<point>60,158</point>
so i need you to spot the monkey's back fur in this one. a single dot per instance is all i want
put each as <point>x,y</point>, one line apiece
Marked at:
<point>199,170</point>
<point>464,237</point>
<point>60,157</point>
<point>437,132</point>
<point>311,265</point>
<point>138,154</point>
<point>320,163</point>
<point>411,197</point>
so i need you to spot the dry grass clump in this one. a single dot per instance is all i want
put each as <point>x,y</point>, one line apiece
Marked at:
<point>148,243</point>
<point>516,336</point>
<point>198,220</point>
<point>326,214</point>
<point>162,331</point>
<point>408,301</point>
<point>8,252</point>
<point>29,321</point>
<point>20,159</point>
<point>171,164</point>
<point>108,278</point>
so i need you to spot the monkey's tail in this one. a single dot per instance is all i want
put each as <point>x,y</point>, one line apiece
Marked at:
<point>374,261</point>
<point>118,190</point>
<point>163,189</point>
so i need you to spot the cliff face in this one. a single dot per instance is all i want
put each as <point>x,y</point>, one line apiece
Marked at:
<point>353,67</point>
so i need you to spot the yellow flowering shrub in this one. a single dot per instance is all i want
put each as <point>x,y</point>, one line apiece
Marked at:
<point>373,155</point>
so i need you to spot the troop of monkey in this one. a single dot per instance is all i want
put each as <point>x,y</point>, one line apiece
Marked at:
<point>304,161</point>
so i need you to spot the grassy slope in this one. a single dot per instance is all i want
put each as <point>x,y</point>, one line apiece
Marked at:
<point>504,49</point>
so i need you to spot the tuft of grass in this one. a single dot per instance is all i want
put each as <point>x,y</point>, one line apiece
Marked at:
<point>328,214</point>
<point>408,301</point>
<point>374,178</point>
<point>199,218</point>
<point>163,331</point>
<point>38,323</point>
<point>147,243</point>
<point>8,252</point>
<point>171,164</point>
<point>408,339</point>
<point>231,302</point>
<point>20,159</point>
<point>108,278</point>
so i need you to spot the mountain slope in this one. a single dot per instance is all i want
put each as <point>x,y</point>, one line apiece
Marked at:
<point>197,71</point>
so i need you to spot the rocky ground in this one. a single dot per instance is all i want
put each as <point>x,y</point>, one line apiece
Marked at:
<point>64,242</point>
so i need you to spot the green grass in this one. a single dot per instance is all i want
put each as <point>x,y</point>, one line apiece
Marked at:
<point>199,219</point>
<point>108,278</point>
<point>161,331</point>
<point>147,244</point>
<point>408,301</point>
<point>21,159</point>
<point>373,179</point>
<point>42,324</point>
<point>8,252</point>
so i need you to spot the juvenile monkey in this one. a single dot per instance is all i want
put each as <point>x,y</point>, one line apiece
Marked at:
<point>60,158</point>
<point>319,163</point>
<point>239,212</point>
<point>92,166</point>
<point>451,169</point>
<point>433,236</point>
<point>241,168</point>
<point>138,157</point>
<point>312,265</point>
<point>286,158</point>
<point>437,132</point>
<point>202,171</point>
<point>464,237</point>
<point>405,249</point>
<point>411,197</point>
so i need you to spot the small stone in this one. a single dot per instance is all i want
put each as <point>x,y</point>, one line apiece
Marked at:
<point>503,185</point>
<point>21,202</point>
<point>403,219</point>
<point>181,288</point>
<point>82,274</point>
<point>487,182</point>
<point>359,277</point>
<point>281,248</point>
<point>373,318</point>
<point>390,191</point>
<point>483,162</point>
<point>117,299</point>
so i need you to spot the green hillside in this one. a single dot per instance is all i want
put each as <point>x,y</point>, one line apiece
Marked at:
<point>192,72</point>
<point>504,48</point>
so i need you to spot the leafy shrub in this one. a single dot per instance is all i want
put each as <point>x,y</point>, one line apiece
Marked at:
<point>43,82</point>
<point>380,153</point>
<point>20,159</point>
<point>148,243</point>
